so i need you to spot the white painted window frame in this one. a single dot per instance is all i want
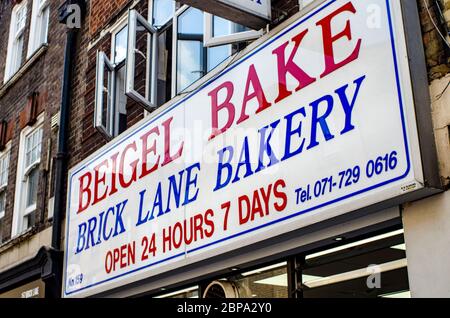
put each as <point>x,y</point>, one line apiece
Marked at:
<point>5,155</point>
<point>210,40</point>
<point>103,62</point>
<point>31,167</point>
<point>177,14</point>
<point>218,41</point>
<point>117,28</point>
<point>21,179</point>
<point>14,34</point>
<point>149,100</point>
<point>40,17</point>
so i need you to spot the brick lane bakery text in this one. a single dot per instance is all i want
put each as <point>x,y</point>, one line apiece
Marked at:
<point>154,149</point>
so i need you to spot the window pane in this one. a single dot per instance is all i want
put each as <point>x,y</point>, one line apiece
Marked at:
<point>120,50</point>
<point>2,171</point>
<point>217,55</point>
<point>18,48</point>
<point>165,66</point>
<point>33,147</point>
<point>191,22</point>
<point>190,63</point>
<point>2,201</point>
<point>344,273</point>
<point>44,25</point>
<point>21,18</point>
<point>221,26</point>
<point>162,11</point>
<point>121,99</point>
<point>4,167</point>
<point>32,187</point>
<point>104,98</point>
<point>193,60</point>
<point>28,159</point>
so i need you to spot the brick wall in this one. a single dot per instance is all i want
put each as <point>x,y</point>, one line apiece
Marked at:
<point>43,77</point>
<point>102,12</point>
<point>438,59</point>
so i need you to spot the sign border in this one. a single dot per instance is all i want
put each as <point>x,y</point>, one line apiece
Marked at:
<point>181,101</point>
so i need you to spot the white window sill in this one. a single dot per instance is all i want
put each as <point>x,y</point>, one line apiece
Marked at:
<point>13,79</point>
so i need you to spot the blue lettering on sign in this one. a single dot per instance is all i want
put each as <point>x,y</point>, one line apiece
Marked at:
<point>98,228</point>
<point>347,178</point>
<point>186,183</point>
<point>321,109</point>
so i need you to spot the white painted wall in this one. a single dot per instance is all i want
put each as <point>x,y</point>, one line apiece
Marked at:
<point>427,222</point>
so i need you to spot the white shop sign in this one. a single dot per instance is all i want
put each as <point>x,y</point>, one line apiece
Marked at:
<point>316,122</point>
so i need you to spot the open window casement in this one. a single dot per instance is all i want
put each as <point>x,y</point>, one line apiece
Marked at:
<point>137,77</point>
<point>218,31</point>
<point>141,70</point>
<point>104,113</point>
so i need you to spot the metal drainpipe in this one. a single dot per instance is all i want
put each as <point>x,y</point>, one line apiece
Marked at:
<point>61,156</point>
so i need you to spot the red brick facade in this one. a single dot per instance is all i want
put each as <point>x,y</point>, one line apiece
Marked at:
<point>102,12</point>
<point>37,91</point>
<point>438,60</point>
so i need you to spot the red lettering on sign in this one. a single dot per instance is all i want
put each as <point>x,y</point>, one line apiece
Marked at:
<point>329,39</point>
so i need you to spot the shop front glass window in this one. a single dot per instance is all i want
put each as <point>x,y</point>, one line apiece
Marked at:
<point>372,268</point>
<point>266,282</point>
